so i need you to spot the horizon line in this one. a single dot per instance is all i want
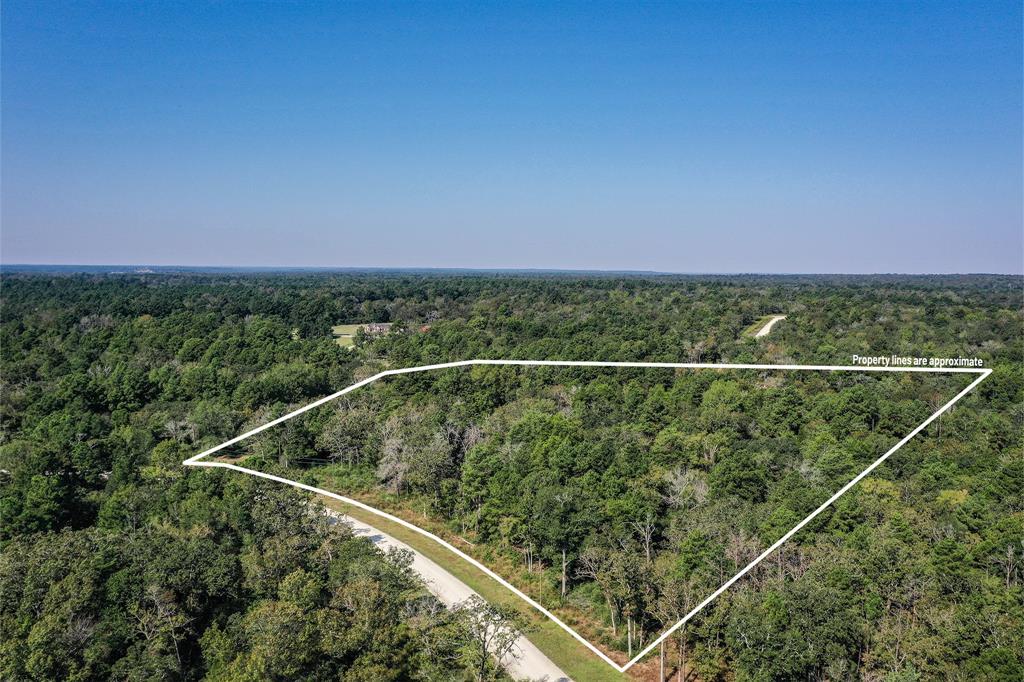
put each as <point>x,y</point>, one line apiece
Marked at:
<point>123,269</point>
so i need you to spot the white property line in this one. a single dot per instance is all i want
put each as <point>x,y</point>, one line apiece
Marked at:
<point>194,461</point>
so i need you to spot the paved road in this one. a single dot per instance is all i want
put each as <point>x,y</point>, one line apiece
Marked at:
<point>528,663</point>
<point>763,331</point>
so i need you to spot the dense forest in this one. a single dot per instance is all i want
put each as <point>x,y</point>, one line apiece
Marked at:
<point>619,497</point>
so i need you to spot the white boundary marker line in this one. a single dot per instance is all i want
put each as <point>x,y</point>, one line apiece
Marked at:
<point>194,461</point>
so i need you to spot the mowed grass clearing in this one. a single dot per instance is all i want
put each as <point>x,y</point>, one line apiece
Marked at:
<point>576,660</point>
<point>344,334</point>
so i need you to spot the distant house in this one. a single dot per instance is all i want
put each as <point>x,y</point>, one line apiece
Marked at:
<point>376,328</point>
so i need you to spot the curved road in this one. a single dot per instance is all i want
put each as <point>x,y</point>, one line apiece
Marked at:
<point>763,331</point>
<point>528,662</point>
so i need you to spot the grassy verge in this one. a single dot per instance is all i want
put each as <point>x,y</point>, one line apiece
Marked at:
<point>755,327</point>
<point>576,660</point>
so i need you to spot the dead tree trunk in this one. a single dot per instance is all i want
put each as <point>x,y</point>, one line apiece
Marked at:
<point>565,566</point>
<point>679,651</point>
<point>611,610</point>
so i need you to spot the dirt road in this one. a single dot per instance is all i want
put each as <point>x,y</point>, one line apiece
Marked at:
<point>763,331</point>
<point>529,662</point>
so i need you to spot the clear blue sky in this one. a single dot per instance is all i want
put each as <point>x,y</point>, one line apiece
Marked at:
<point>720,137</point>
